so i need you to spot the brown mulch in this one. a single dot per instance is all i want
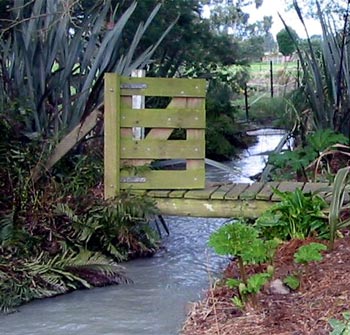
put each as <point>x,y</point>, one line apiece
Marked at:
<point>324,294</point>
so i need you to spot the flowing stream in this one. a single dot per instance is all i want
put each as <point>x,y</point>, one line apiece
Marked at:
<point>157,300</point>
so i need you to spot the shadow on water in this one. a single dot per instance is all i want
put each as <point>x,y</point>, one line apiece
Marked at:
<point>155,303</point>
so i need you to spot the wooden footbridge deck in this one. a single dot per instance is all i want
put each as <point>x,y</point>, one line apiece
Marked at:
<point>227,200</point>
<point>136,136</point>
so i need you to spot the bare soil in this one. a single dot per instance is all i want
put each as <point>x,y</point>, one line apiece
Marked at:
<point>324,294</point>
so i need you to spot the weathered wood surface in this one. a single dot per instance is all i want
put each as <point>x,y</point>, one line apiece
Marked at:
<point>123,150</point>
<point>227,200</point>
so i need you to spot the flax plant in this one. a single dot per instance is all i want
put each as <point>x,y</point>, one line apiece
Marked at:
<point>52,63</point>
<point>326,82</point>
<point>337,207</point>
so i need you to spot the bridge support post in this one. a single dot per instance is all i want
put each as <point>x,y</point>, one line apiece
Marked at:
<point>111,136</point>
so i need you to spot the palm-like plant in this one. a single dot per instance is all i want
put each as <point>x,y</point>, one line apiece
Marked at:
<point>43,276</point>
<point>326,80</point>
<point>53,64</point>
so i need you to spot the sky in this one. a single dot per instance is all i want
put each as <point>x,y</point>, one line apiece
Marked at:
<point>272,7</point>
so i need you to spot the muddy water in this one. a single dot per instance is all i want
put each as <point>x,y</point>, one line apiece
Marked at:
<point>162,286</point>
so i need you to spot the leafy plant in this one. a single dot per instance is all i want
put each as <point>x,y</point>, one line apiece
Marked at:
<point>306,254</point>
<point>45,276</point>
<point>326,83</point>
<point>242,241</point>
<point>341,327</point>
<point>309,253</point>
<point>118,228</point>
<point>292,281</point>
<point>337,204</point>
<point>297,215</point>
<point>300,159</point>
<point>252,287</point>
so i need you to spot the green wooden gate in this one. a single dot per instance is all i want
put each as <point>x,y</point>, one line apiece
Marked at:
<point>125,156</point>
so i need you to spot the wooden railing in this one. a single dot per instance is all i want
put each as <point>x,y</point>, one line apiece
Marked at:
<point>126,156</point>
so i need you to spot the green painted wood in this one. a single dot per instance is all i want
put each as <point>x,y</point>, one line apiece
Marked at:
<point>201,194</point>
<point>177,193</point>
<point>212,208</point>
<point>165,87</point>
<point>111,135</point>
<point>159,193</point>
<point>267,191</point>
<point>164,118</point>
<point>235,192</point>
<point>251,192</point>
<point>315,187</point>
<point>159,179</point>
<point>220,193</point>
<point>287,187</point>
<point>162,149</point>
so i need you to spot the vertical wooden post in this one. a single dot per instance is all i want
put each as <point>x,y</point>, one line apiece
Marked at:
<point>271,78</point>
<point>246,102</point>
<point>298,73</point>
<point>138,102</point>
<point>111,135</point>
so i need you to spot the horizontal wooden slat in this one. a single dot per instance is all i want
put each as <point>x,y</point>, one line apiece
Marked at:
<point>267,191</point>
<point>251,191</point>
<point>177,193</point>
<point>159,193</point>
<point>162,149</point>
<point>164,118</point>
<point>287,187</point>
<point>220,193</point>
<point>236,191</point>
<point>153,180</point>
<point>315,187</point>
<point>165,87</point>
<point>201,194</point>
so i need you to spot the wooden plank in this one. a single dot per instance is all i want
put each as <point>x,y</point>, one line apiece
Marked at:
<point>201,194</point>
<point>164,179</point>
<point>212,208</point>
<point>236,191</point>
<point>159,193</point>
<point>267,191</point>
<point>315,187</point>
<point>159,133</point>
<point>163,118</point>
<point>251,192</point>
<point>220,193</point>
<point>111,136</point>
<point>161,149</point>
<point>287,186</point>
<point>196,164</point>
<point>165,87</point>
<point>177,193</point>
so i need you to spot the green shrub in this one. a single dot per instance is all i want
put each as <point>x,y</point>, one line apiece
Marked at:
<point>297,215</point>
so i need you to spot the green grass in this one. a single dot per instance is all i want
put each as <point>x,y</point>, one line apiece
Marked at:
<point>259,67</point>
<point>264,109</point>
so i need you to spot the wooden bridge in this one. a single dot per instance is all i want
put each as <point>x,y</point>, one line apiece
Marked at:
<point>227,200</point>
<point>136,136</point>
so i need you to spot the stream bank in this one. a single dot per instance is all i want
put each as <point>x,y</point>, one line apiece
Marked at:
<point>157,300</point>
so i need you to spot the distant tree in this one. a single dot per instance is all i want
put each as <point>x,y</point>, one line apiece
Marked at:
<point>270,44</point>
<point>308,7</point>
<point>285,41</point>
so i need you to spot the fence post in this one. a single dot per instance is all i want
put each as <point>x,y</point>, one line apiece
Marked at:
<point>138,102</point>
<point>246,102</point>
<point>111,136</point>
<point>271,78</point>
<point>298,73</point>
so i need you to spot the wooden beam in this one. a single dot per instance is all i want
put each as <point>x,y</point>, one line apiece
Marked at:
<point>111,136</point>
<point>212,208</point>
